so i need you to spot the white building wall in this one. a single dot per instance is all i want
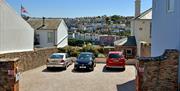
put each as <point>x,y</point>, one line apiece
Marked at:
<point>165,28</point>
<point>62,35</point>
<point>141,30</point>
<point>16,35</point>
<point>43,36</point>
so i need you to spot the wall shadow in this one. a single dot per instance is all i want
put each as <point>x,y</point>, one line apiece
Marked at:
<point>53,70</point>
<point>111,70</point>
<point>128,86</point>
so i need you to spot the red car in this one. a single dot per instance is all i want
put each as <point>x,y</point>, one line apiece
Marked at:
<point>115,60</point>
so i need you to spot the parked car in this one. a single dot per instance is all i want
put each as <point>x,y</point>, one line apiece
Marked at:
<point>85,60</point>
<point>115,59</point>
<point>59,60</point>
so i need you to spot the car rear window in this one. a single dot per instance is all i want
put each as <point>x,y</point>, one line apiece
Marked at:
<point>85,56</point>
<point>57,56</point>
<point>114,56</point>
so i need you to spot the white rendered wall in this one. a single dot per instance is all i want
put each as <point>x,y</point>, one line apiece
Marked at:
<point>16,35</point>
<point>165,27</point>
<point>62,35</point>
<point>141,35</point>
<point>43,36</point>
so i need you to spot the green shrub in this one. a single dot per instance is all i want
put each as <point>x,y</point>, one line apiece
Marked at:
<point>74,51</point>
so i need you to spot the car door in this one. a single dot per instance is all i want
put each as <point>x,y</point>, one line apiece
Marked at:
<point>68,59</point>
<point>65,59</point>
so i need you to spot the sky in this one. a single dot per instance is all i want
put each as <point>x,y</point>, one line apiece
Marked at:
<point>78,8</point>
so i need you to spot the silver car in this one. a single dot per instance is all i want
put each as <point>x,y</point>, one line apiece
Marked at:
<point>59,60</point>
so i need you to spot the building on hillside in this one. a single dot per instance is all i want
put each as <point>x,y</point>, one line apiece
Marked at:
<point>49,32</point>
<point>141,29</point>
<point>128,46</point>
<point>16,35</point>
<point>165,27</point>
<point>107,40</point>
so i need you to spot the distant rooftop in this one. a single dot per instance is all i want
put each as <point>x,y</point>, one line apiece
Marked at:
<point>145,15</point>
<point>49,23</point>
<point>129,41</point>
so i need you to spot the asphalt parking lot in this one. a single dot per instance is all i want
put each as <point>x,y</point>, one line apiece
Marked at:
<point>100,79</point>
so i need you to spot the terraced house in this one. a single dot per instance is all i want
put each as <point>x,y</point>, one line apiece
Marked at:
<point>49,32</point>
<point>141,29</point>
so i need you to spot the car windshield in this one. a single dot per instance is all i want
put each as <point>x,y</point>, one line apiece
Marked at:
<point>57,56</point>
<point>114,56</point>
<point>85,57</point>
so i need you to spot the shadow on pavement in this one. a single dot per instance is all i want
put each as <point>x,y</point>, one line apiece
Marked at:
<point>53,70</point>
<point>129,86</point>
<point>81,71</point>
<point>112,70</point>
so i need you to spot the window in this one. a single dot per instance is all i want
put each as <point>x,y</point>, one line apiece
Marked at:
<point>57,56</point>
<point>170,5</point>
<point>114,56</point>
<point>50,37</point>
<point>129,51</point>
<point>37,39</point>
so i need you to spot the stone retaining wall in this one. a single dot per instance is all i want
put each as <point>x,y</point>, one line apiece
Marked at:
<point>31,59</point>
<point>158,73</point>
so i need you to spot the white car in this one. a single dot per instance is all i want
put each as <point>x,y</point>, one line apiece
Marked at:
<point>59,60</point>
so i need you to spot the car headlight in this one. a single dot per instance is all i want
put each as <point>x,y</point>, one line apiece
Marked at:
<point>90,63</point>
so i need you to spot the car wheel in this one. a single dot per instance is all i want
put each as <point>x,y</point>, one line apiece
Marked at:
<point>95,65</point>
<point>107,68</point>
<point>48,68</point>
<point>92,69</point>
<point>75,69</point>
<point>123,69</point>
<point>65,67</point>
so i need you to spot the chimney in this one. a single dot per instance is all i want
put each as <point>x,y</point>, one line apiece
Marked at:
<point>137,8</point>
<point>43,21</point>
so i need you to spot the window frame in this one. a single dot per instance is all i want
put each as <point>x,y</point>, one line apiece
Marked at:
<point>50,37</point>
<point>128,53</point>
<point>170,5</point>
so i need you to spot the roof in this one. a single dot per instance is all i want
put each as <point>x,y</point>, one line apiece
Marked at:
<point>145,15</point>
<point>129,41</point>
<point>50,23</point>
<point>121,41</point>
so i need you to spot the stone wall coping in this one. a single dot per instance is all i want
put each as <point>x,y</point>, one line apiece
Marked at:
<point>9,60</point>
<point>48,48</point>
<point>158,58</point>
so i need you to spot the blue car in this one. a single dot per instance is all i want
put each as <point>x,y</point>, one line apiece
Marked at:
<point>85,60</point>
